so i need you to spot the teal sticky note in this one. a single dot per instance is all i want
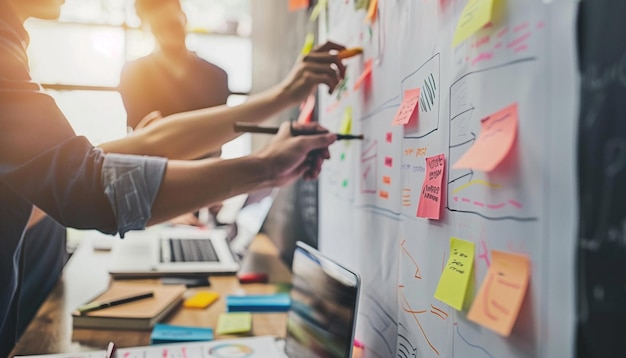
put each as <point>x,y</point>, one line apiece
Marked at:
<point>167,333</point>
<point>259,303</point>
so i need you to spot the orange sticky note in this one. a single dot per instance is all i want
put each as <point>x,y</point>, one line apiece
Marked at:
<point>501,294</point>
<point>306,110</point>
<point>367,72</point>
<point>497,135</point>
<point>371,11</point>
<point>430,197</point>
<point>476,14</point>
<point>456,275</point>
<point>407,108</point>
<point>295,5</point>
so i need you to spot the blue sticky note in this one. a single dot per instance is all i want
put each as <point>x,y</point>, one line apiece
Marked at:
<point>167,333</point>
<point>259,303</point>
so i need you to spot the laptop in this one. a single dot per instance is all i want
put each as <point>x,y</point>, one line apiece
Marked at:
<point>184,251</point>
<point>324,300</point>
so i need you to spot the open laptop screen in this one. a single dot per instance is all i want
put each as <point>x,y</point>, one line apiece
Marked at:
<point>324,300</point>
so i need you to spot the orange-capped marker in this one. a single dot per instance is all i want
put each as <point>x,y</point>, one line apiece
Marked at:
<point>349,52</point>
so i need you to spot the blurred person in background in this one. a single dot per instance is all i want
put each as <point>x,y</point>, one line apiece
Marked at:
<point>172,79</point>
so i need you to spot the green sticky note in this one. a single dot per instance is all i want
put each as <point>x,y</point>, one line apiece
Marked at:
<point>346,122</point>
<point>476,14</point>
<point>345,183</point>
<point>456,274</point>
<point>233,323</point>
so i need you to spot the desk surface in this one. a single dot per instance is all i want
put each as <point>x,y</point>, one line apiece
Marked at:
<point>85,276</point>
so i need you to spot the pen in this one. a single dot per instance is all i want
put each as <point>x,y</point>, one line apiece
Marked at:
<point>110,353</point>
<point>253,128</point>
<point>349,52</point>
<point>93,306</point>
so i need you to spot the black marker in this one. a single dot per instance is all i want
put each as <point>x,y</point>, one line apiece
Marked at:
<point>253,128</point>
<point>94,306</point>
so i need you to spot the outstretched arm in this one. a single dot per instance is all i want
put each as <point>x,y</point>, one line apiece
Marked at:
<point>192,134</point>
<point>190,185</point>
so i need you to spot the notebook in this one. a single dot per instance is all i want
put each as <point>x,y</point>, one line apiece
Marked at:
<point>186,250</point>
<point>142,314</point>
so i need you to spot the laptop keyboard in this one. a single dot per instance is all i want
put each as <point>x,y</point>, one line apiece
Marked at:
<point>191,250</point>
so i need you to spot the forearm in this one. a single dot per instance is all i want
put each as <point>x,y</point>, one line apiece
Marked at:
<point>190,135</point>
<point>189,186</point>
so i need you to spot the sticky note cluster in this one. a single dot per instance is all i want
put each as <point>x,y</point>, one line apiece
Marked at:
<point>500,297</point>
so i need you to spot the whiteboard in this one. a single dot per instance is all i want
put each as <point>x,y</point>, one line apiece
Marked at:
<point>369,190</point>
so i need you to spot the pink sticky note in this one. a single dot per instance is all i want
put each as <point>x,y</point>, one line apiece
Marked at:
<point>501,294</point>
<point>496,138</point>
<point>389,137</point>
<point>389,161</point>
<point>407,108</point>
<point>430,197</point>
<point>306,110</point>
<point>367,72</point>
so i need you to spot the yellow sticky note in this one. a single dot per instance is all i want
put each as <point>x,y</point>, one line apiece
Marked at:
<point>501,294</point>
<point>456,274</point>
<point>309,42</point>
<point>475,15</point>
<point>201,299</point>
<point>321,5</point>
<point>497,136</point>
<point>346,122</point>
<point>233,323</point>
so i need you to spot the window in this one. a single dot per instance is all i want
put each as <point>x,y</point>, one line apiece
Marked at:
<point>79,58</point>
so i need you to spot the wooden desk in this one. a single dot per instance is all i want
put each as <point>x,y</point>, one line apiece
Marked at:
<point>85,276</point>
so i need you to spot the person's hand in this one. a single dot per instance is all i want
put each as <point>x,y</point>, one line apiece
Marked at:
<point>319,66</point>
<point>291,157</point>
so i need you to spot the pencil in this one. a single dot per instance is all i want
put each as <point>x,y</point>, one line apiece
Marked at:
<point>349,52</point>
<point>253,128</point>
<point>94,306</point>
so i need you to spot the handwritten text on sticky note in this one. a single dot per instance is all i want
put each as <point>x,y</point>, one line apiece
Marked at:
<point>453,283</point>
<point>476,14</point>
<point>501,294</point>
<point>430,197</point>
<point>497,135</point>
<point>407,111</point>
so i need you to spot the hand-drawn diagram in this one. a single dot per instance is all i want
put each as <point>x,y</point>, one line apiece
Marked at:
<point>369,172</point>
<point>503,193</point>
<point>426,77</point>
<point>424,318</point>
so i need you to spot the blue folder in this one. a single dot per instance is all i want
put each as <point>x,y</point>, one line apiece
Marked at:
<point>259,303</point>
<point>167,333</point>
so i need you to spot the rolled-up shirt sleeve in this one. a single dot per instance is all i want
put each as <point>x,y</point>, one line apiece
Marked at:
<point>131,183</point>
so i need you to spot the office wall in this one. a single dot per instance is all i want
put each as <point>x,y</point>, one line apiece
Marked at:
<point>370,190</point>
